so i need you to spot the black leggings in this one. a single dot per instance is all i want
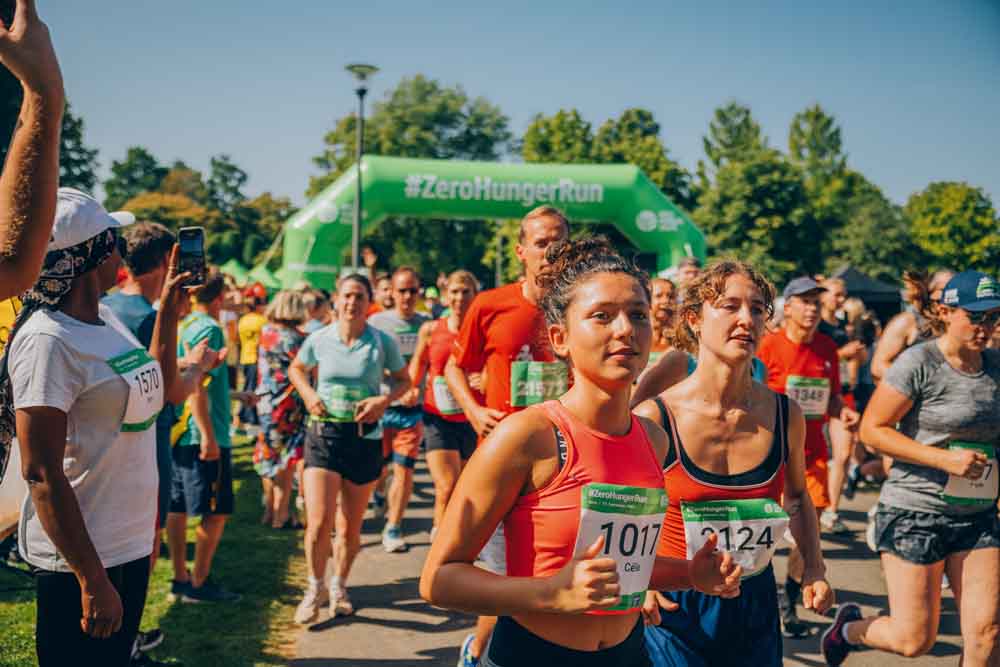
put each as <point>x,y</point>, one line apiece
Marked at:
<point>513,645</point>
<point>59,640</point>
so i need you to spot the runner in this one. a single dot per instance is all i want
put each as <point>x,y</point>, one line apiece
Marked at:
<point>402,423</point>
<point>343,450</point>
<point>735,450</point>
<point>577,483</point>
<point>448,438</point>
<point>503,334</point>
<point>661,309</point>
<point>249,328</point>
<point>937,511</point>
<point>843,441</point>
<point>802,364</point>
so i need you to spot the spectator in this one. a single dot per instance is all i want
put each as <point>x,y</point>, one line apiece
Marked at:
<point>280,408</point>
<point>249,328</point>
<point>31,172</point>
<point>318,310</point>
<point>687,270</point>
<point>202,479</point>
<point>86,395</point>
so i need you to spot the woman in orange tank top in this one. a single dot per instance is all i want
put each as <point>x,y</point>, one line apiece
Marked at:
<point>578,485</point>
<point>736,449</point>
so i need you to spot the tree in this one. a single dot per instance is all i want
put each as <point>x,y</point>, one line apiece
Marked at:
<point>815,145</point>
<point>875,237</point>
<point>139,172</point>
<point>172,211</point>
<point>266,215</point>
<point>421,118</point>
<point>183,180</point>
<point>956,225</point>
<point>562,137</point>
<point>733,135</point>
<point>225,184</point>
<point>758,210</point>
<point>634,138</point>
<point>77,162</point>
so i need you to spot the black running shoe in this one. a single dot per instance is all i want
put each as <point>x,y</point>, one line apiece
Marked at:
<point>210,592</point>
<point>178,589</point>
<point>853,479</point>
<point>147,641</point>
<point>835,647</point>
<point>791,626</point>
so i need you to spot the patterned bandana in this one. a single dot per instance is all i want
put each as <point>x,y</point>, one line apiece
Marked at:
<point>59,270</point>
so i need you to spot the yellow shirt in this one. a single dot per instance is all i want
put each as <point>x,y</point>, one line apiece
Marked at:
<point>249,327</point>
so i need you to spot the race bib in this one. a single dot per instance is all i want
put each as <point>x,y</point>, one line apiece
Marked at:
<point>629,518</point>
<point>533,382</point>
<point>982,491</point>
<point>145,395</point>
<point>407,341</point>
<point>748,529</point>
<point>443,398</point>
<point>812,394</point>
<point>342,402</point>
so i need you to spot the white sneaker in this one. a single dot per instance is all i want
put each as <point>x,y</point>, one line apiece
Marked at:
<point>393,542</point>
<point>340,603</point>
<point>308,609</point>
<point>831,522</point>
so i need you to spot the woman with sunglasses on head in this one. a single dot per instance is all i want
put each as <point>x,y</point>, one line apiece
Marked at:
<point>736,452</point>
<point>937,511</point>
<point>83,395</point>
<point>578,485</point>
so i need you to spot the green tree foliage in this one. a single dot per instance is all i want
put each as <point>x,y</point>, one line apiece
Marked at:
<point>875,236</point>
<point>77,162</point>
<point>956,225</point>
<point>562,137</point>
<point>225,185</point>
<point>758,210</point>
<point>172,211</point>
<point>183,180</point>
<point>424,119</point>
<point>733,135</point>
<point>139,172</point>
<point>634,138</point>
<point>815,145</point>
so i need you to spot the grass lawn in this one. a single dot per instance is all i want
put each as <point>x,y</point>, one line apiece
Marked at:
<point>252,559</point>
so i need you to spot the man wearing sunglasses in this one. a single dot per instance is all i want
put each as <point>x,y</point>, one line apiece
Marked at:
<point>402,424</point>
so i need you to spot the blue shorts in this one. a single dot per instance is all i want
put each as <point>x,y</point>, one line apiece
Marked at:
<point>199,487</point>
<point>710,631</point>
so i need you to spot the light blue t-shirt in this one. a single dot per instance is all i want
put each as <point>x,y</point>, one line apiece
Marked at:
<point>196,327</point>
<point>360,366</point>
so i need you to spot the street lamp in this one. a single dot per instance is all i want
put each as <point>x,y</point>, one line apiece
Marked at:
<point>361,73</point>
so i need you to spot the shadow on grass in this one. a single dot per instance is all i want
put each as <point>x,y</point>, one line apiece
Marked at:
<point>252,560</point>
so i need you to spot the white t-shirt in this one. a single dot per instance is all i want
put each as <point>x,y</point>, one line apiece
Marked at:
<point>57,361</point>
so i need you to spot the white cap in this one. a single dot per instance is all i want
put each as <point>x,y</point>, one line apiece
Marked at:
<point>80,217</point>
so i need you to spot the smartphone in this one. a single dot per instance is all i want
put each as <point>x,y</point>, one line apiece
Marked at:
<point>192,254</point>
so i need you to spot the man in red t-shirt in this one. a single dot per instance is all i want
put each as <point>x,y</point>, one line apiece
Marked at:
<point>803,364</point>
<point>504,336</point>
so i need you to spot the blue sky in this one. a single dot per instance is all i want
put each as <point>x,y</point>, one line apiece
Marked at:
<point>915,85</point>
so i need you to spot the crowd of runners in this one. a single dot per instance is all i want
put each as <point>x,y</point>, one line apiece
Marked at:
<point>615,459</point>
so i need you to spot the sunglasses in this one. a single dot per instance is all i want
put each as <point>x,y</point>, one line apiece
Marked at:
<point>409,290</point>
<point>986,318</point>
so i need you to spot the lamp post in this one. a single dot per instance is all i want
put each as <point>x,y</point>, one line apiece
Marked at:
<point>361,73</point>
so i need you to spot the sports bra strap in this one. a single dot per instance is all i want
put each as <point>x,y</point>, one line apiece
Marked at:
<point>782,425</point>
<point>561,444</point>
<point>668,426</point>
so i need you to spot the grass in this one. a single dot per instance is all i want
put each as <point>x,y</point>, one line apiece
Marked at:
<point>252,559</point>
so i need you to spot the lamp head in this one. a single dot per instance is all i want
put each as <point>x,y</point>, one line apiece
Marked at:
<point>361,71</point>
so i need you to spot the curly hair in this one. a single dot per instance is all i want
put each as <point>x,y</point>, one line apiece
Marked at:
<point>570,263</point>
<point>919,286</point>
<point>709,286</point>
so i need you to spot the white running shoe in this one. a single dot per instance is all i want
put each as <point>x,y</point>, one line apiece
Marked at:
<point>308,609</point>
<point>393,542</point>
<point>340,603</point>
<point>831,522</point>
<point>870,529</point>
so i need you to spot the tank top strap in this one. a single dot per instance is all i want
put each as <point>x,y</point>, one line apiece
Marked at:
<point>562,430</point>
<point>668,425</point>
<point>781,425</point>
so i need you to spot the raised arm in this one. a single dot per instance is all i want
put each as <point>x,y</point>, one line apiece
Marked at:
<point>30,174</point>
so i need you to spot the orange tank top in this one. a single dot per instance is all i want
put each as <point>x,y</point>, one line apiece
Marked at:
<point>541,529</point>
<point>438,399</point>
<point>686,482</point>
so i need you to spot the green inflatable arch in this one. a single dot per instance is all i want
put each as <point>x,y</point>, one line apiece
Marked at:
<point>316,237</point>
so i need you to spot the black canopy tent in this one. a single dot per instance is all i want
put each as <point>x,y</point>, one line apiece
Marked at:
<point>884,298</point>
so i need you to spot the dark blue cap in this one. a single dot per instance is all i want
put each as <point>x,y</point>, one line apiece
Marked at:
<point>801,285</point>
<point>973,291</point>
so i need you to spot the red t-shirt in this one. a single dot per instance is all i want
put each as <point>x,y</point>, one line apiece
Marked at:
<point>809,373</point>
<point>500,328</point>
